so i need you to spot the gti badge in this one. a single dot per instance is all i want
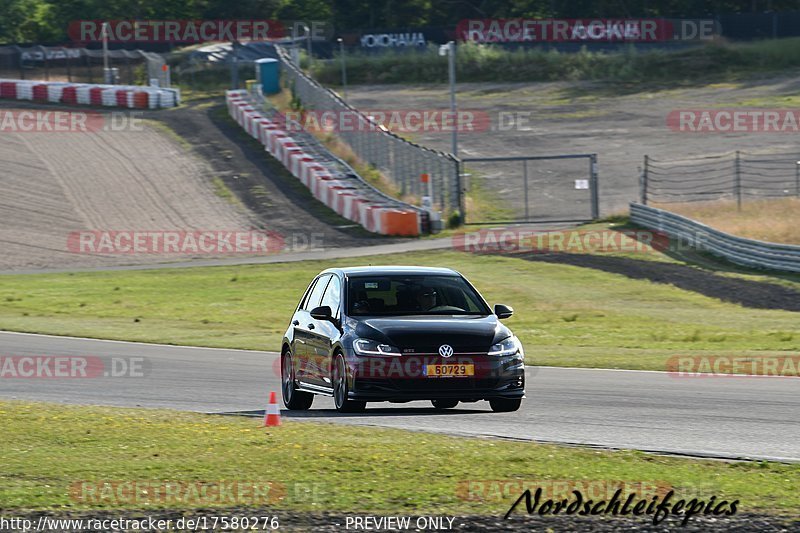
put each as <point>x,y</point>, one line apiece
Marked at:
<point>445,350</point>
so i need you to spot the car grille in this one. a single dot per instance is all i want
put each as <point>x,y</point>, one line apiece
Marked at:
<point>443,384</point>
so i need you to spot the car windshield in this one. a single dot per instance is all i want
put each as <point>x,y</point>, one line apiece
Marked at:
<point>413,295</point>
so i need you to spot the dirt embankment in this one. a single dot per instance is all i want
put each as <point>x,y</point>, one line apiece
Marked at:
<point>145,179</point>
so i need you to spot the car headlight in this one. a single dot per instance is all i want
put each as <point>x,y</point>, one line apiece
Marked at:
<point>509,346</point>
<point>371,347</point>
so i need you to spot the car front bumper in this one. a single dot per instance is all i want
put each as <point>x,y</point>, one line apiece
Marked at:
<point>405,378</point>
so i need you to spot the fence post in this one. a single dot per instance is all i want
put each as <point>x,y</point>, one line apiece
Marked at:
<point>399,171</point>
<point>46,63</point>
<point>593,185</point>
<point>441,178</point>
<point>234,66</point>
<point>525,187</point>
<point>643,185</point>
<point>21,64</point>
<point>797,179</point>
<point>738,181</point>
<point>459,166</point>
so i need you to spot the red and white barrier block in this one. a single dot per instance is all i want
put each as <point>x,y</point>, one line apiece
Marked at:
<point>350,202</point>
<point>125,96</point>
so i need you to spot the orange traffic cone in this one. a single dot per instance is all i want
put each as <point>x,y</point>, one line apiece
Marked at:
<point>273,413</point>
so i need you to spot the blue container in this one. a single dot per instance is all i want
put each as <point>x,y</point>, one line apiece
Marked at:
<point>268,73</point>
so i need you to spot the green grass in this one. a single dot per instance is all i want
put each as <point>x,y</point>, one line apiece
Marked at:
<point>222,190</point>
<point>51,447</point>
<point>169,132</point>
<point>565,315</point>
<point>481,203</point>
<point>713,61</point>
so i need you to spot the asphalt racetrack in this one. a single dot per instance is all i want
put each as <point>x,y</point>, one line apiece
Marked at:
<point>726,417</point>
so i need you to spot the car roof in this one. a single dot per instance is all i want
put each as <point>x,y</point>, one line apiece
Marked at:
<point>393,270</point>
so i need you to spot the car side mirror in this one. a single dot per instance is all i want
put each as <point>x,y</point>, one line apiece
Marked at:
<point>323,312</point>
<point>503,311</point>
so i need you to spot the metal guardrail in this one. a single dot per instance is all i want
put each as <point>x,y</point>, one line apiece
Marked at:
<point>402,161</point>
<point>738,250</point>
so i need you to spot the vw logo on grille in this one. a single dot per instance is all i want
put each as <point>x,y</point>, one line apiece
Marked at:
<point>445,350</point>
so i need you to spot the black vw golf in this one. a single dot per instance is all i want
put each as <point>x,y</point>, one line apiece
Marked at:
<point>374,334</point>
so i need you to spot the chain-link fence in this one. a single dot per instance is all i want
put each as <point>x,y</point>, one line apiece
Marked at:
<point>558,188</point>
<point>321,155</point>
<point>401,161</point>
<point>733,176</point>
<point>79,65</point>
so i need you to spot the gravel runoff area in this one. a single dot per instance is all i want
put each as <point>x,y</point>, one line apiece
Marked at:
<point>619,122</point>
<point>145,179</point>
<point>333,522</point>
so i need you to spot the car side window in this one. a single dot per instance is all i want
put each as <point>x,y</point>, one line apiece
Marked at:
<point>307,295</point>
<point>332,295</point>
<point>316,293</point>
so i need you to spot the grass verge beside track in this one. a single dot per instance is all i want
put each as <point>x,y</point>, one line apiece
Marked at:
<point>51,447</point>
<point>565,315</point>
<point>764,220</point>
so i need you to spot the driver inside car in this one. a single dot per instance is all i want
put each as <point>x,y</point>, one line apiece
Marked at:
<point>426,298</point>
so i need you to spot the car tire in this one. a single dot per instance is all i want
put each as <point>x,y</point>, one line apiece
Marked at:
<point>341,388</point>
<point>293,399</point>
<point>505,405</point>
<point>444,404</point>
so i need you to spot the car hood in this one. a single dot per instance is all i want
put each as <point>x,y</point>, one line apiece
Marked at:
<point>424,334</point>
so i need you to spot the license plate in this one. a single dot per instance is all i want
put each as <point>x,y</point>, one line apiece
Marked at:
<point>449,371</point>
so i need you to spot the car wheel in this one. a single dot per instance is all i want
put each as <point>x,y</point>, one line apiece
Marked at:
<point>505,405</point>
<point>341,388</point>
<point>444,404</point>
<point>293,399</point>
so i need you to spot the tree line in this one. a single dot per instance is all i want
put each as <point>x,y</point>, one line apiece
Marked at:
<point>46,21</point>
